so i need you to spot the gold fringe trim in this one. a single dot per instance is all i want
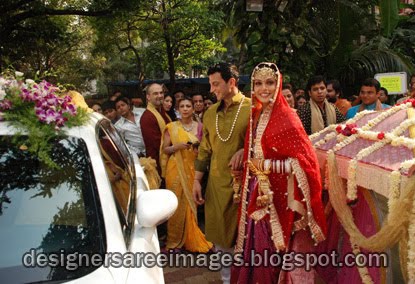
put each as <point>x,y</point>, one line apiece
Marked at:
<point>276,229</point>
<point>316,232</point>
<point>265,198</point>
<point>300,224</point>
<point>293,204</point>
<point>259,214</point>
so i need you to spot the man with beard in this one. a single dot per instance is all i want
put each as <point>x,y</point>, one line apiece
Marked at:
<point>335,96</point>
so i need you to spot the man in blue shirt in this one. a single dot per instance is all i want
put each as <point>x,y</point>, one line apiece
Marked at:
<point>369,95</point>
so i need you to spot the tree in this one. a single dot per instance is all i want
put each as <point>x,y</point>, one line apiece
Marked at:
<point>386,47</point>
<point>14,13</point>
<point>161,35</point>
<point>53,36</point>
<point>280,33</point>
<point>339,39</point>
<point>187,30</point>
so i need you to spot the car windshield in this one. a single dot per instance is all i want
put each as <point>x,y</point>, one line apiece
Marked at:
<point>45,210</point>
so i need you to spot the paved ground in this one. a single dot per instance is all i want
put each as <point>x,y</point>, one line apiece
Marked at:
<point>191,275</point>
<point>184,275</point>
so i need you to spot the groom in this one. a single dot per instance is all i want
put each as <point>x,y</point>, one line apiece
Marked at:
<point>220,153</point>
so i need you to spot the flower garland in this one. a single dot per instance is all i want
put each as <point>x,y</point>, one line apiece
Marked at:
<point>38,110</point>
<point>349,132</point>
<point>351,185</point>
<point>332,127</point>
<point>411,246</point>
<point>392,204</point>
<point>363,271</point>
<point>340,129</point>
<point>394,190</point>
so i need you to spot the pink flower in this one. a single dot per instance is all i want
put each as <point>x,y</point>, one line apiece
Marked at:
<point>41,114</point>
<point>60,121</point>
<point>52,100</point>
<point>51,116</point>
<point>67,99</point>
<point>69,108</point>
<point>41,103</point>
<point>5,105</point>
<point>26,95</point>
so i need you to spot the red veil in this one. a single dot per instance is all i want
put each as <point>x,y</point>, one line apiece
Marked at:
<point>284,137</point>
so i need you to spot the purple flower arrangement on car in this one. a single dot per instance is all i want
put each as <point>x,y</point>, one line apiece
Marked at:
<point>38,110</point>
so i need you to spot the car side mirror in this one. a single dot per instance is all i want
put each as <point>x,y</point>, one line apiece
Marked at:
<point>155,206</point>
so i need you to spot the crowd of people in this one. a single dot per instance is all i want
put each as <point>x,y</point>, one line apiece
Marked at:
<point>263,190</point>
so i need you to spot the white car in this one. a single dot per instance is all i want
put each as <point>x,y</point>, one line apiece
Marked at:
<point>92,220</point>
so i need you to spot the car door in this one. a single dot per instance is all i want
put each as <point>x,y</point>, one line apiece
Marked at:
<point>141,241</point>
<point>119,166</point>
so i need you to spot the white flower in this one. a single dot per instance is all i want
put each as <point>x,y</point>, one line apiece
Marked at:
<point>29,81</point>
<point>2,94</point>
<point>18,74</point>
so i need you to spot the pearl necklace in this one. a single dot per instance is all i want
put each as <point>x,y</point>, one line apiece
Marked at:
<point>233,124</point>
<point>187,129</point>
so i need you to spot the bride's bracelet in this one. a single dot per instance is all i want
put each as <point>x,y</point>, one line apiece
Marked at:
<point>275,166</point>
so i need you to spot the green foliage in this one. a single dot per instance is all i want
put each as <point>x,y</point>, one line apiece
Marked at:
<point>339,39</point>
<point>389,16</point>
<point>283,37</point>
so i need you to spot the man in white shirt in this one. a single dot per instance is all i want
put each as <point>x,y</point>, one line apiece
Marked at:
<point>129,126</point>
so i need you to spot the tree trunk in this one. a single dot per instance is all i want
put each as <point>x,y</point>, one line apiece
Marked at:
<point>169,49</point>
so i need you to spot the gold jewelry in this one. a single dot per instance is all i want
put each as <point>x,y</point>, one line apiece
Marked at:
<point>236,185</point>
<point>265,194</point>
<point>263,73</point>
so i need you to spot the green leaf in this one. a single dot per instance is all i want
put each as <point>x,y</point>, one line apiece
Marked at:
<point>297,40</point>
<point>253,38</point>
<point>389,15</point>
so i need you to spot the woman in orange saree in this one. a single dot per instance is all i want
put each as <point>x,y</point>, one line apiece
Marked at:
<point>178,152</point>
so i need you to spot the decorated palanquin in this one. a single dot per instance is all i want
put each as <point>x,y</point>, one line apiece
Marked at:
<point>366,164</point>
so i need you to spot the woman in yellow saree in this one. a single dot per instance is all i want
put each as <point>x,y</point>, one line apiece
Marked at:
<point>178,152</point>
